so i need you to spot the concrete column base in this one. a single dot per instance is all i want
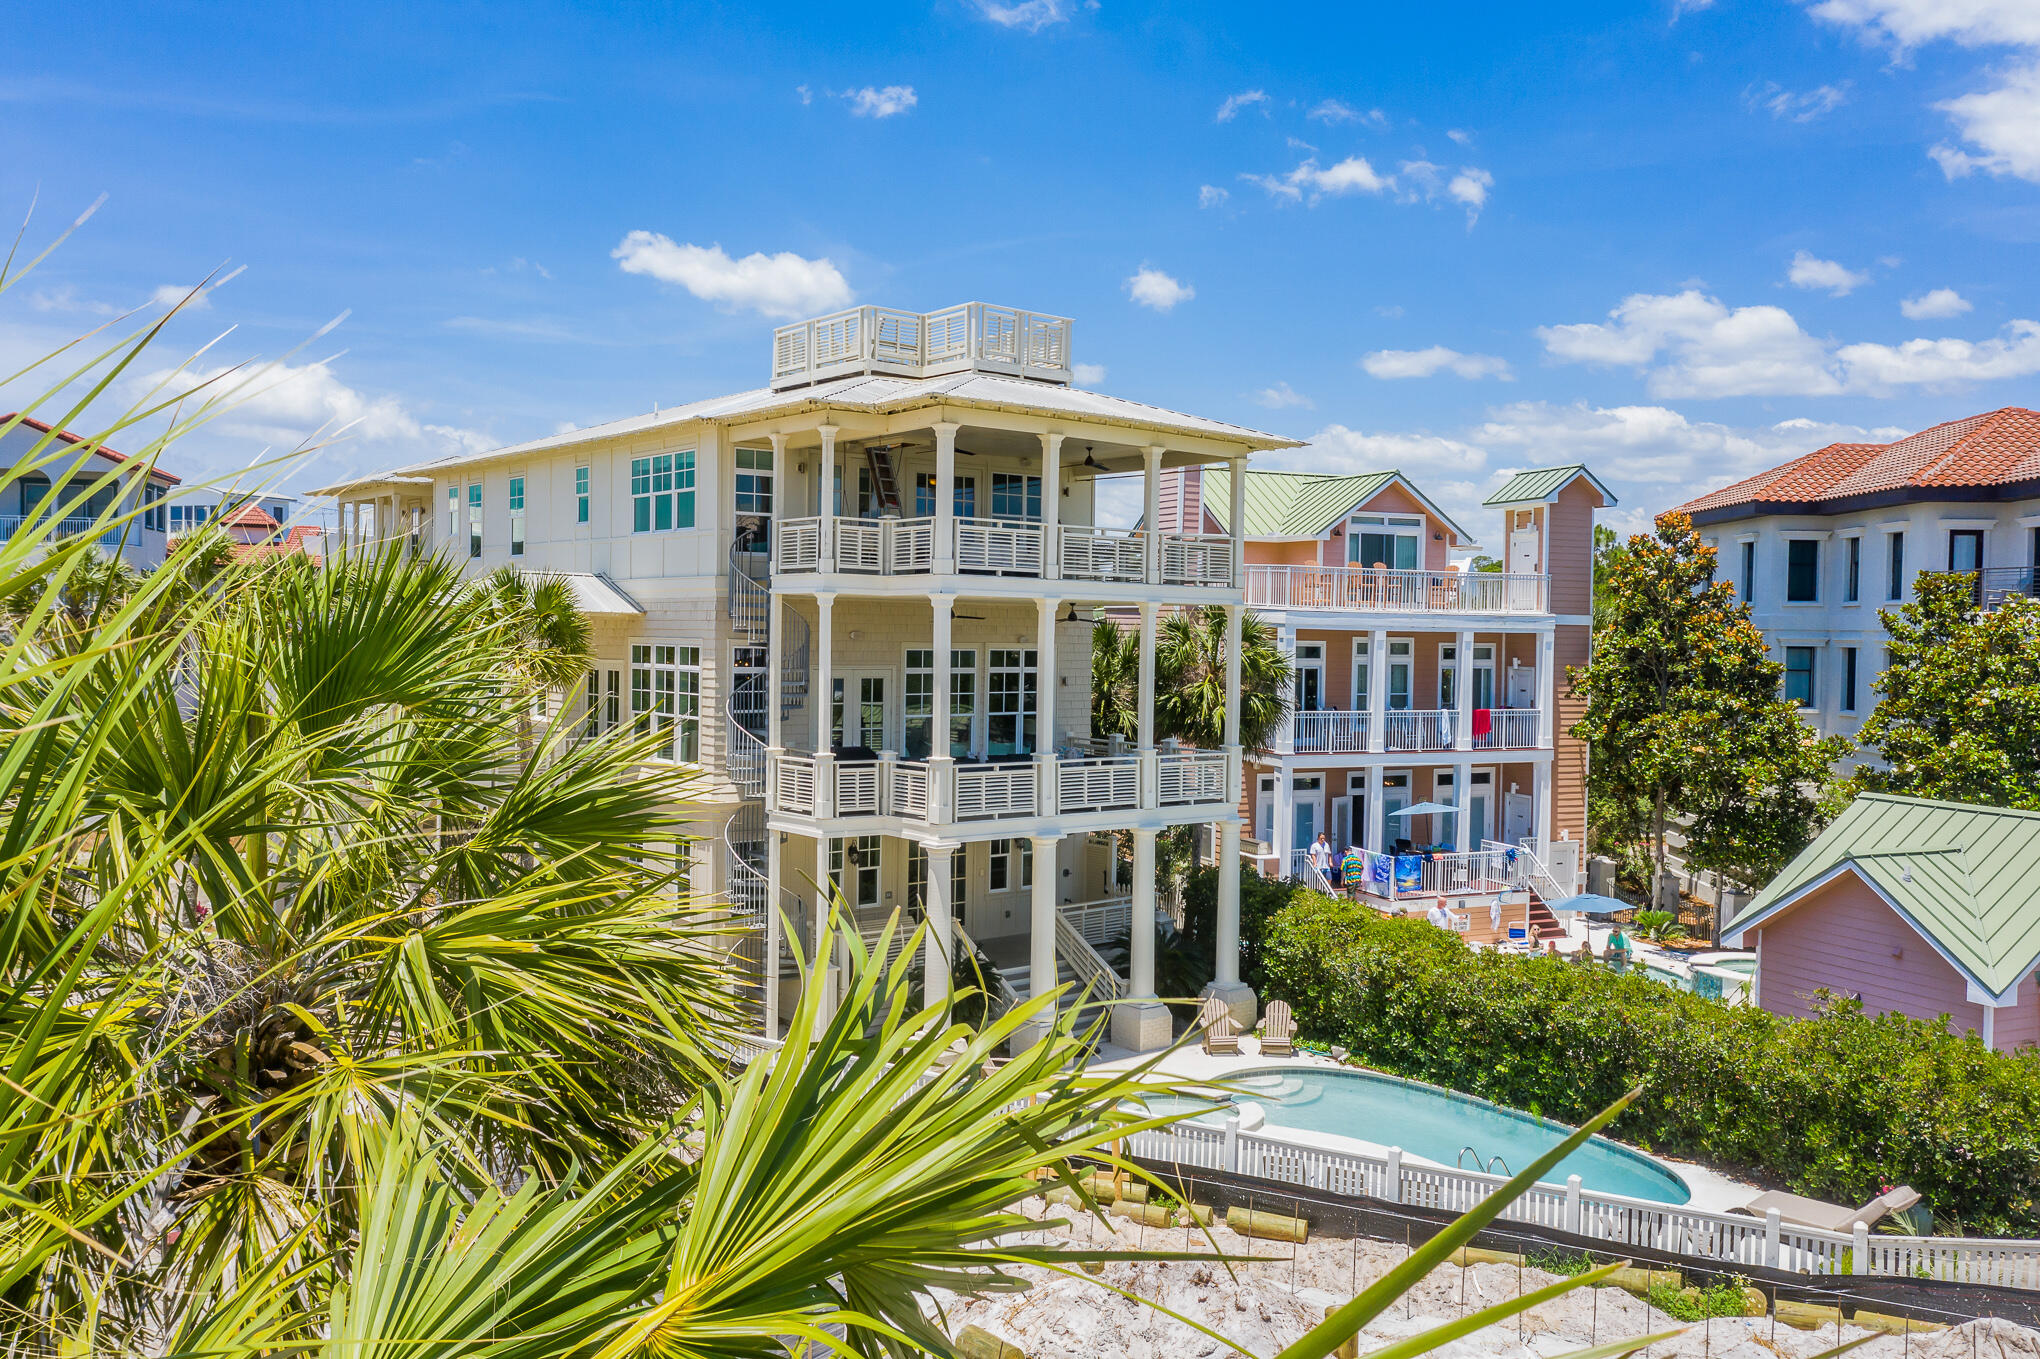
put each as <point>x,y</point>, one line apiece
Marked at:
<point>1239,998</point>
<point>1142,1026</point>
<point>1025,1037</point>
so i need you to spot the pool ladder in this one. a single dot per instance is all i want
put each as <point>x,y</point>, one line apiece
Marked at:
<point>1488,1166</point>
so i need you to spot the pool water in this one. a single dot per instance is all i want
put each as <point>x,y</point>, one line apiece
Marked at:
<point>1436,1124</point>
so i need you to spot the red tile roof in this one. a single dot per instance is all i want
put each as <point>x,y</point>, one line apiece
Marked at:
<point>250,516</point>
<point>1997,448</point>
<point>68,437</point>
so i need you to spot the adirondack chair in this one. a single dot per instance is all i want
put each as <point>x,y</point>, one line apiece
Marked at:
<point>1278,1030</point>
<point>1221,1032</point>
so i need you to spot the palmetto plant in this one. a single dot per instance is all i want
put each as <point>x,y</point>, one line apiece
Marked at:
<point>1190,668</point>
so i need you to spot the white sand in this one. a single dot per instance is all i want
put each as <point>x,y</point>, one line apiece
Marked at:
<point>1264,1306</point>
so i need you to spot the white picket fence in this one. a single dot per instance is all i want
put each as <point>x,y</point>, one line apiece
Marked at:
<point>1724,1239</point>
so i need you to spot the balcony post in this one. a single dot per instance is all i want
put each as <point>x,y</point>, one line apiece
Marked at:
<point>1051,506</point>
<point>1151,511</point>
<point>1041,962</point>
<point>940,762</point>
<point>1141,1023</point>
<point>1150,794</point>
<point>768,969</point>
<point>1237,524</point>
<point>1462,794</point>
<point>939,950</point>
<point>1234,617</point>
<point>775,671</point>
<point>1541,817</point>
<point>825,501</point>
<point>1547,685</point>
<point>1044,706</point>
<point>825,899</point>
<point>1377,691</point>
<point>1377,810</point>
<point>1462,691</point>
<point>945,497</point>
<point>825,683</point>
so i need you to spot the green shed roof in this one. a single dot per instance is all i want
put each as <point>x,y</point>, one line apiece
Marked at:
<point>1966,877</point>
<point>1539,485</point>
<point>1300,504</point>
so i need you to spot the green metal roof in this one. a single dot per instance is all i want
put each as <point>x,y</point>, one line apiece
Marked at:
<point>1539,485</point>
<point>1966,877</point>
<point>1300,504</point>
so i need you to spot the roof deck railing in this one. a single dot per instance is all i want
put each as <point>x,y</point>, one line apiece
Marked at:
<point>973,336</point>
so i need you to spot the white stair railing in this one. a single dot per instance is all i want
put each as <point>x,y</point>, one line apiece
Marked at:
<point>1089,966</point>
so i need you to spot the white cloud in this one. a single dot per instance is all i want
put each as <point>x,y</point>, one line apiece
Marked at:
<point>1460,135</point>
<point>1393,311</point>
<point>1333,111</point>
<point>1936,305</point>
<point>2002,123</point>
<point>1210,196</point>
<point>1032,15</point>
<point>782,285</point>
<point>1709,350</point>
<point>1283,397</point>
<point>1799,106</point>
<point>1087,374</point>
<point>1337,448</point>
<point>1690,344</point>
<point>1420,363</point>
<point>1470,186</point>
<point>807,96</point>
<point>887,102</point>
<point>1230,109</point>
<point>1810,271</point>
<point>1153,288</point>
<point>176,294</point>
<point>1351,175</point>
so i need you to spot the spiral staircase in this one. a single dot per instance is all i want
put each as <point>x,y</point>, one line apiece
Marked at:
<point>746,722</point>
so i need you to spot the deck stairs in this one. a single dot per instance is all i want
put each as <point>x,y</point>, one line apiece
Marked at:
<point>885,482</point>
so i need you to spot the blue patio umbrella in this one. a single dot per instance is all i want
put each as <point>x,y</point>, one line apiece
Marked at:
<point>1426,809</point>
<point>1592,903</point>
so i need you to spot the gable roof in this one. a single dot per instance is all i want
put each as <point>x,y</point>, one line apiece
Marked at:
<point>66,436</point>
<point>1966,877</point>
<point>872,393</point>
<point>1542,485</point>
<point>1952,461</point>
<point>249,515</point>
<point>1304,504</point>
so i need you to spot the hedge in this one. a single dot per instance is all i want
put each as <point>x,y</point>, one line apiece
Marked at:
<point>1834,1107</point>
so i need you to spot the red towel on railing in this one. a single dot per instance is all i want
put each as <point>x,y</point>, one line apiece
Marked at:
<point>1483,721</point>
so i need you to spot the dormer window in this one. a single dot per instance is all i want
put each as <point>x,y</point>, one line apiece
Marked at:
<point>1388,540</point>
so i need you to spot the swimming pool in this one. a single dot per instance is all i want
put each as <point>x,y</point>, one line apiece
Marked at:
<point>1436,1124</point>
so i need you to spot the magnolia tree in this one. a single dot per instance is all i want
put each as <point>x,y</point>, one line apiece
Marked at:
<point>1684,718</point>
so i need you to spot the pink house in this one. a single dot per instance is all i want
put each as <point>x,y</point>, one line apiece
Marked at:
<point>1925,908</point>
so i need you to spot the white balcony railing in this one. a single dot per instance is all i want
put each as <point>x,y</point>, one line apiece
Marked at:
<point>1420,729</point>
<point>857,789</point>
<point>1104,784</point>
<point>1508,729</point>
<point>1368,590</point>
<point>1103,554</point>
<point>1191,776</point>
<point>793,781</point>
<point>801,784</point>
<point>974,335</point>
<point>72,527</point>
<point>1197,559</point>
<point>907,791</point>
<point>1004,547</point>
<point>984,791</point>
<point>1327,733</point>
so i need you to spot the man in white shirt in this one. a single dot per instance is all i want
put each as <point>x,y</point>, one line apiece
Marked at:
<point>1321,856</point>
<point>1438,915</point>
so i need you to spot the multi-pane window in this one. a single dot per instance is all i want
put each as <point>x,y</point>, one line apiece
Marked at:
<point>152,515</point>
<point>1852,576</point>
<point>963,496</point>
<point>854,868</point>
<point>963,705</point>
<point>665,696</point>
<point>517,516</point>
<point>754,492</point>
<point>1894,562</point>
<point>1009,702</point>
<point>1802,570</point>
<point>452,512</point>
<point>1310,676</point>
<point>189,518</point>
<point>1361,659</point>
<point>1799,675</point>
<point>591,706</point>
<point>748,678</point>
<point>581,495</point>
<point>612,702</point>
<point>662,492</point>
<point>474,501</point>
<point>917,705</point>
<point>917,877</point>
<point>1848,679</point>
<point>1448,675</point>
<point>1012,865</point>
<point>1400,652</point>
<point>1749,572</point>
<point>1386,540</point>
<point>1015,496</point>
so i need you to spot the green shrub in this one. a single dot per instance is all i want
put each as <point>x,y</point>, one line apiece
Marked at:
<point>1696,1304</point>
<point>1833,1106</point>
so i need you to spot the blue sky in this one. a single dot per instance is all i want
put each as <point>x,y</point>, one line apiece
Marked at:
<point>1679,242</point>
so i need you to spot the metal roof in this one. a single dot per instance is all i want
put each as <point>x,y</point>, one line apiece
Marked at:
<point>1966,877</point>
<point>1538,486</point>
<point>1303,504</point>
<point>595,592</point>
<point>872,393</point>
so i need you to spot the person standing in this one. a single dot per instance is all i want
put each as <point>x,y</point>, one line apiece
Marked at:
<point>1321,856</point>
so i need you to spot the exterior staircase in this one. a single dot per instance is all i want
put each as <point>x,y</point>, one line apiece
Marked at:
<point>885,482</point>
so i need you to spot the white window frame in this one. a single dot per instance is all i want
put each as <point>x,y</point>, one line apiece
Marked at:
<point>1030,665</point>
<point>755,488</point>
<point>1396,526</point>
<point>662,484</point>
<point>1314,663</point>
<point>1359,677</point>
<point>519,489</point>
<point>999,867</point>
<point>673,705</point>
<point>1852,564</point>
<point>476,508</point>
<point>584,481</point>
<point>1785,589</point>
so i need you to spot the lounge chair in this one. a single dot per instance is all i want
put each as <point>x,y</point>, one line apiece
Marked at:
<point>1277,1029</point>
<point>1830,1217</point>
<point>1221,1031</point>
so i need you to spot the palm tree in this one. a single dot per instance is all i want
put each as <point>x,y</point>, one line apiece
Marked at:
<point>1190,695</point>
<point>540,621</point>
<point>1115,680</point>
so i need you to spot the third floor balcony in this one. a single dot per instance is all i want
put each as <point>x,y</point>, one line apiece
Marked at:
<point>1411,730</point>
<point>1000,547</point>
<point>1375,590</point>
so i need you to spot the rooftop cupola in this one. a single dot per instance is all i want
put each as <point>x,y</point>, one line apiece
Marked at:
<point>970,337</point>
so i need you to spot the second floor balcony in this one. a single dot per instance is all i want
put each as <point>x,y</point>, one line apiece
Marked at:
<point>1413,730</point>
<point>1000,547</point>
<point>1352,589</point>
<point>949,792</point>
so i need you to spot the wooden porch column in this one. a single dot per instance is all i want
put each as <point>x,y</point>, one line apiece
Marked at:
<point>1051,506</point>
<point>1547,687</point>
<point>945,497</point>
<point>1462,691</point>
<point>940,948</point>
<point>1151,517</point>
<point>1377,692</point>
<point>825,534</point>
<point>1041,963</point>
<point>768,970</point>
